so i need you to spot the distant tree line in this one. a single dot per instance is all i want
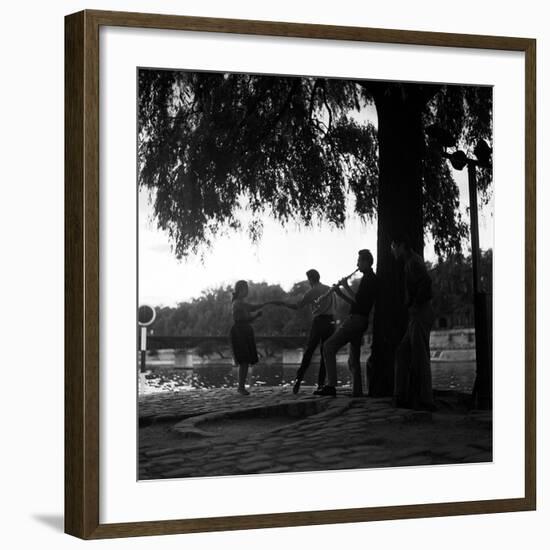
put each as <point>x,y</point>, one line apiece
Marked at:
<point>452,282</point>
<point>210,313</point>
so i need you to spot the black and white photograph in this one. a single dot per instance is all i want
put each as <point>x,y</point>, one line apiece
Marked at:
<point>274,274</point>
<point>314,273</point>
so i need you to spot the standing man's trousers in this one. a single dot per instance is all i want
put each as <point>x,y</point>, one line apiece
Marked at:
<point>413,375</point>
<point>351,331</point>
<point>322,328</point>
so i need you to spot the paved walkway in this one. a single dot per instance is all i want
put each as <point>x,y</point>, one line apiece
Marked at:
<point>216,432</point>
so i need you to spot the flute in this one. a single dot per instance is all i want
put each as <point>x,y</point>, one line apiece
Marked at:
<point>317,301</point>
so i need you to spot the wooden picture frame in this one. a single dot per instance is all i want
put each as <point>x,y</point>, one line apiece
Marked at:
<point>82,258</point>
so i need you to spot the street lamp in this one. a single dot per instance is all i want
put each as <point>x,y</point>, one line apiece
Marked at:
<point>482,394</point>
<point>146,317</point>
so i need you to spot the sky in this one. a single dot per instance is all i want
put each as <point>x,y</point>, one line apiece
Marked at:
<point>282,256</point>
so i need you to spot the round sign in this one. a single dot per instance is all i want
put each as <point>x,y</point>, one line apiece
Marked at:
<point>146,315</point>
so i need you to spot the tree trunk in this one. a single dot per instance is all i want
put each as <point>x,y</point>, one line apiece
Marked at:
<point>401,152</point>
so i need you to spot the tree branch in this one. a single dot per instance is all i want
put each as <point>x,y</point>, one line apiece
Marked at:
<point>328,109</point>
<point>280,114</point>
<point>252,107</point>
<point>312,98</point>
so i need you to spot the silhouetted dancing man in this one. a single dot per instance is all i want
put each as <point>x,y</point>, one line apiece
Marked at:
<point>353,327</point>
<point>322,304</point>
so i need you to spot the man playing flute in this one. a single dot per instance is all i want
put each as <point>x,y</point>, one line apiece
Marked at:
<point>354,326</point>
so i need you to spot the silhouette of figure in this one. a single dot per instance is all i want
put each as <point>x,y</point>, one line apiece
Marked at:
<point>243,342</point>
<point>413,375</point>
<point>354,326</point>
<point>323,304</point>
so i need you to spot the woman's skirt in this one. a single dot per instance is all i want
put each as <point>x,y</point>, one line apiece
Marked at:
<point>243,343</point>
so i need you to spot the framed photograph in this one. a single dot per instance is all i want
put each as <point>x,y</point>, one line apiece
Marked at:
<point>300,274</point>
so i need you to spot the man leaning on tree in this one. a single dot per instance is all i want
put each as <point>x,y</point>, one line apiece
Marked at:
<point>413,376</point>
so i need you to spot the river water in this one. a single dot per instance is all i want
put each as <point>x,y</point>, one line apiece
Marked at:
<point>458,376</point>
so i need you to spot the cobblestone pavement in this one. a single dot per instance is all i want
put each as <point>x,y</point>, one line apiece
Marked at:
<point>214,432</point>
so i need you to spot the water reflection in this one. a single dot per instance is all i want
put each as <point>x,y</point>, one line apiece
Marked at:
<point>458,376</point>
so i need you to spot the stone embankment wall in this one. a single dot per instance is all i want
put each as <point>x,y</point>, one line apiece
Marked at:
<point>446,345</point>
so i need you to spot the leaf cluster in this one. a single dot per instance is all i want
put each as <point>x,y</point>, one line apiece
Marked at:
<point>211,145</point>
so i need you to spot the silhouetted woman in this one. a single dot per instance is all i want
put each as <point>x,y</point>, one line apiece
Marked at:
<point>243,342</point>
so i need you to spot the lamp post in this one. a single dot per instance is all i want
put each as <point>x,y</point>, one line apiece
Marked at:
<point>146,316</point>
<point>482,394</point>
